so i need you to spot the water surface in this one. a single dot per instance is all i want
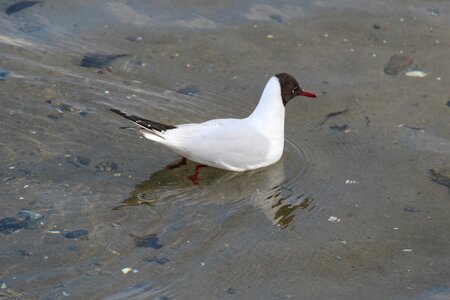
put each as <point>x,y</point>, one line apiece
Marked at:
<point>350,211</point>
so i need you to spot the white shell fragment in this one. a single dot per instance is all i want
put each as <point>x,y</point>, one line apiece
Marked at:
<point>126,270</point>
<point>417,74</point>
<point>407,250</point>
<point>351,181</point>
<point>333,219</point>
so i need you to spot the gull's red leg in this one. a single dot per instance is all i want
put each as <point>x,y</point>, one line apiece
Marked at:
<point>194,177</point>
<point>181,163</point>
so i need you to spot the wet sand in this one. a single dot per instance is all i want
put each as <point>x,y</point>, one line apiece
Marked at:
<point>350,211</point>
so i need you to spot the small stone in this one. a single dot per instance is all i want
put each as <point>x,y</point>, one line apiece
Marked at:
<point>146,241</point>
<point>29,215</point>
<point>190,90</point>
<point>10,225</point>
<point>339,127</point>
<point>83,113</point>
<point>62,107</point>
<point>23,252</point>
<point>269,36</point>
<point>231,291</point>
<point>126,270</point>
<point>107,166</point>
<point>411,209</point>
<point>4,74</point>
<point>376,26</point>
<point>99,60</point>
<point>76,234</point>
<point>135,38</point>
<point>159,261</point>
<point>448,103</point>
<point>397,63</point>
<point>277,18</point>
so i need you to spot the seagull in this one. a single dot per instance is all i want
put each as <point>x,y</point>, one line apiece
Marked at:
<point>231,144</point>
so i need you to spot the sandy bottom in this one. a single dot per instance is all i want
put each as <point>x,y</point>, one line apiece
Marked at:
<point>352,211</point>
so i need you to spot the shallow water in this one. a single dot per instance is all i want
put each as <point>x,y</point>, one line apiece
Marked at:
<point>350,211</point>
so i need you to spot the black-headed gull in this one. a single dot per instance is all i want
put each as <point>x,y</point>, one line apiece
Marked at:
<point>231,144</point>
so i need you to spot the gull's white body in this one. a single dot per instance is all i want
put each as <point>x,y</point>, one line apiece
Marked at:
<point>233,144</point>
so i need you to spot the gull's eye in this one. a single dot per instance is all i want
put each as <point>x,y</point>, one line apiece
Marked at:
<point>295,89</point>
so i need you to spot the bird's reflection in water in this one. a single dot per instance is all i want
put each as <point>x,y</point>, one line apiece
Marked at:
<point>266,189</point>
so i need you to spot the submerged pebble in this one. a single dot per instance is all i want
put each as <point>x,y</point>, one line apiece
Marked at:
<point>99,60</point>
<point>63,107</point>
<point>397,63</point>
<point>76,234</point>
<point>189,90</point>
<point>107,166</point>
<point>277,18</point>
<point>9,225</point>
<point>146,241</point>
<point>18,6</point>
<point>448,103</point>
<point>4,74</point>
<point>339,127</point>
<point>135,38</point>
<point>159,261</point>
<point>411,209</point>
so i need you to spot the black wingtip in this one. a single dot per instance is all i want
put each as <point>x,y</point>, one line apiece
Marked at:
<point>119,112</point>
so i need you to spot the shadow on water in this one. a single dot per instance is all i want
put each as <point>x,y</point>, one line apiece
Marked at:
<point>265,189</point>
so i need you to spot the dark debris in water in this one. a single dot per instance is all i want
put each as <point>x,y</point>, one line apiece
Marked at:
<point>333,114</point>
<point>190,90</point>
<point>441,176</point>
<point>23,252</point>
<point>146,241</point>
<point>159,261</point>
<point>411,209</point>
<point>76,234</point>
<point>54,116</point>
<point>339,127</point>
<point>18,6</point>
<point>96,60</point>
<point>9,225</point>
<point>4,74</point>
<point>448,103</point>
<point>277,18</point>
<point>397,63</point>
<point>231,291</point>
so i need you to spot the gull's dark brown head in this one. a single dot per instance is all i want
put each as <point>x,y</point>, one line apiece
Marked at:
<point>290,88</point>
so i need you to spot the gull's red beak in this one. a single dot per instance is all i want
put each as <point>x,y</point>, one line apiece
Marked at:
<point>307,94</point>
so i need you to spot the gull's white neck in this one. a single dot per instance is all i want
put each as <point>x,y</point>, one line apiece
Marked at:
<point>270,109</point>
